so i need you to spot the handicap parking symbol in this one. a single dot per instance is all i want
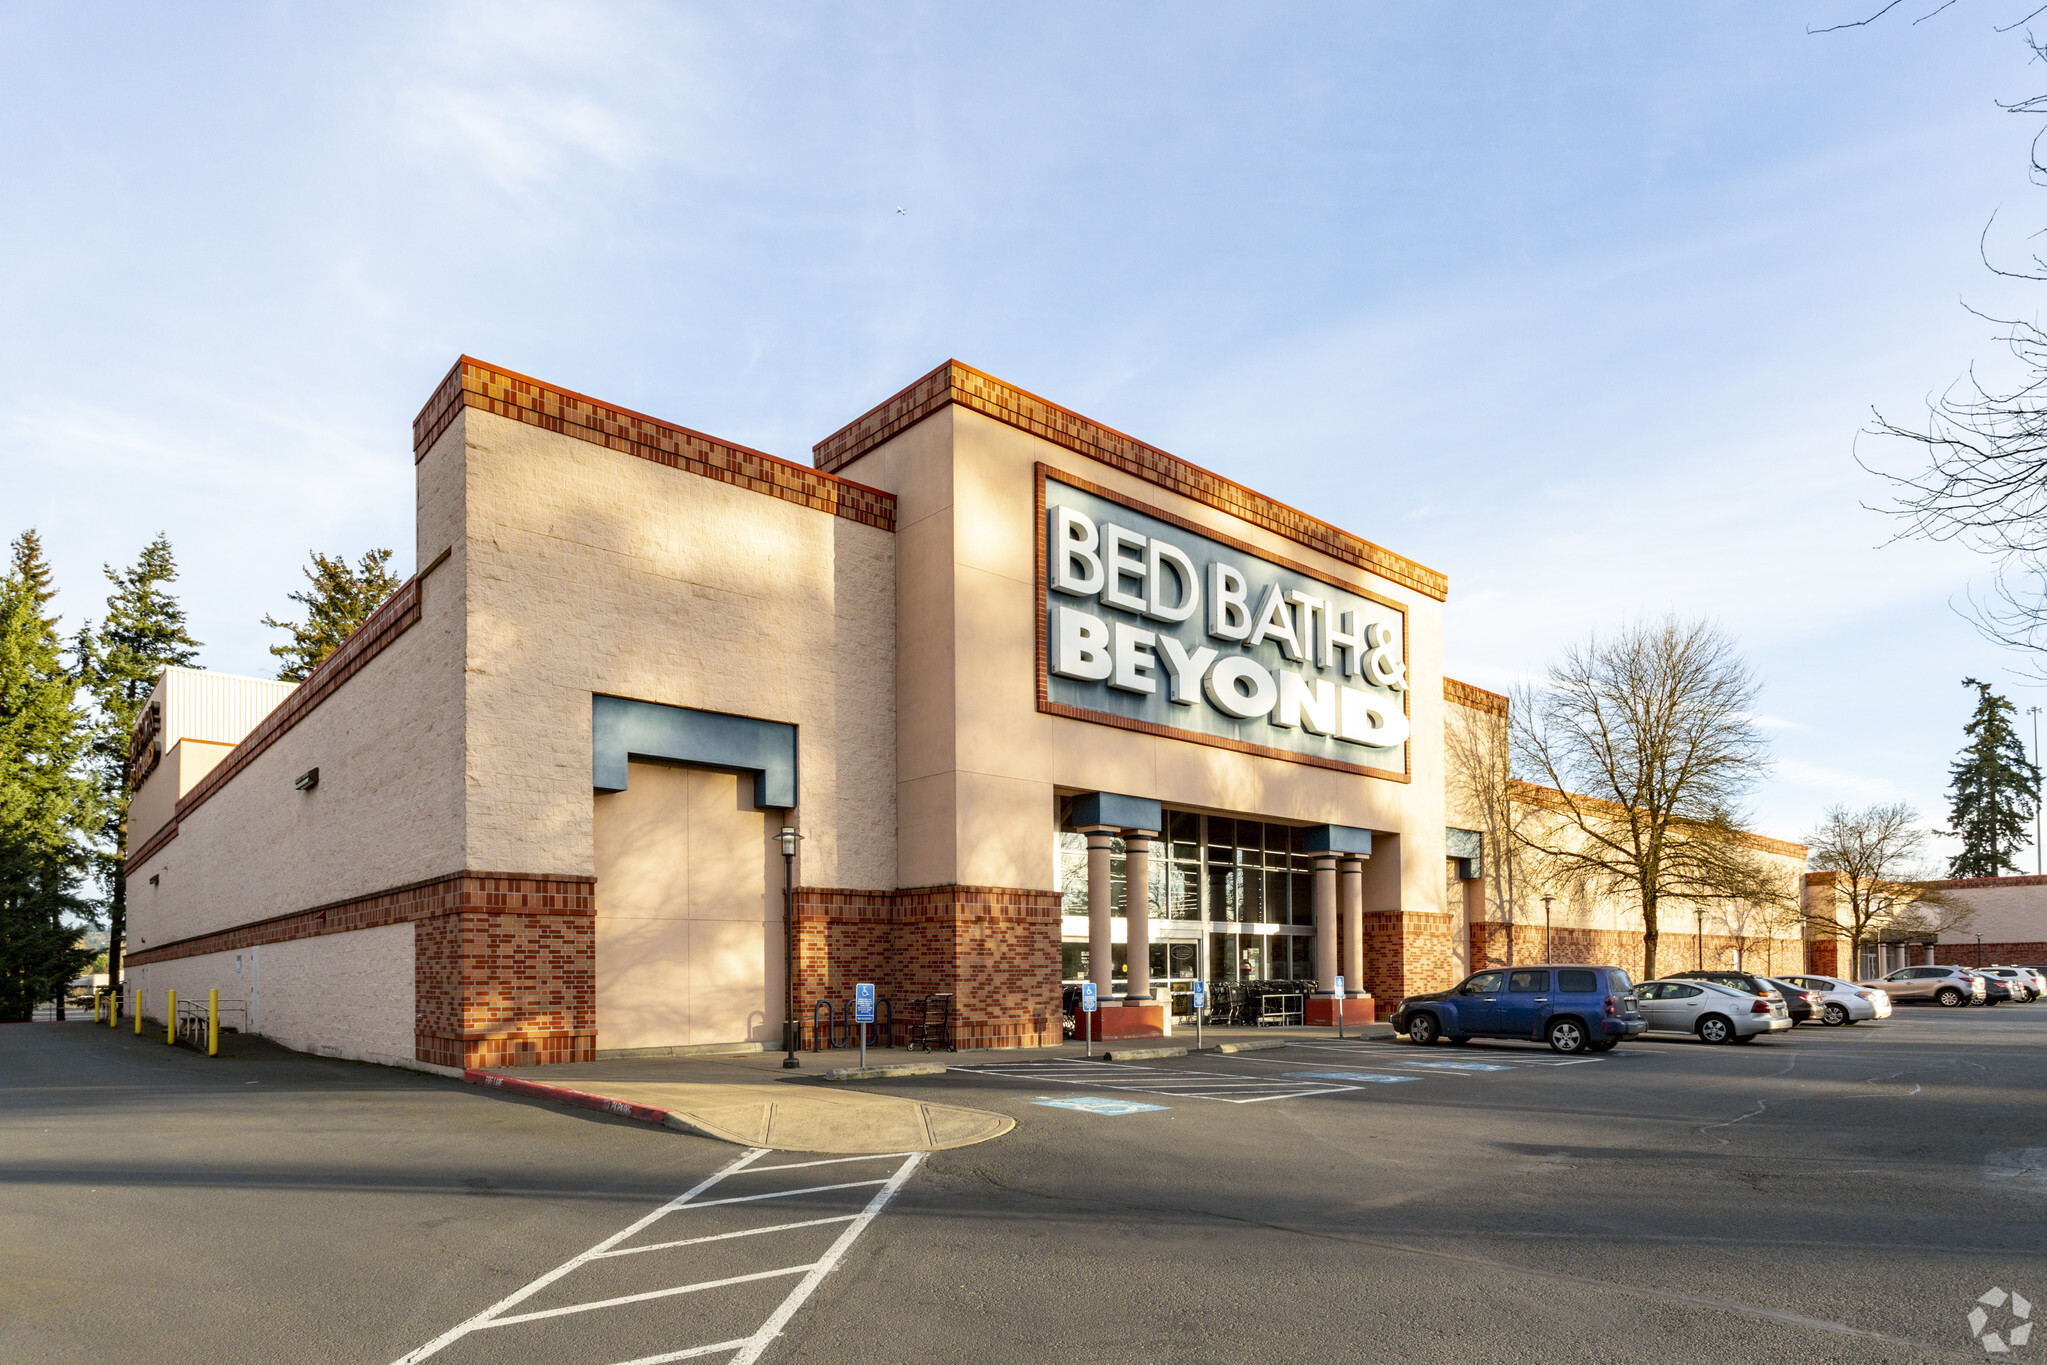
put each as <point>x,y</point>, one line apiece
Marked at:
<point>1458,1066</point>
<point>1362,1076</point>
<point>1093,1104</point>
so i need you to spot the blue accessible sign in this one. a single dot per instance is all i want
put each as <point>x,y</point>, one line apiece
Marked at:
<point>1087,997</point>
<point>863,1003</point>
<point>1200,994</point>
<point>1339,988</point>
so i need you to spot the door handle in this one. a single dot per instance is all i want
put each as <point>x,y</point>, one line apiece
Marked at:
<point>1542,1000</point>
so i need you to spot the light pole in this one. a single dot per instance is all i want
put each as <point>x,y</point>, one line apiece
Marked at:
<point>1699,934</point>
<point>790,838</point>
<point>1979,952</point>
<point>2034,712</point>
<point>1546,954</point>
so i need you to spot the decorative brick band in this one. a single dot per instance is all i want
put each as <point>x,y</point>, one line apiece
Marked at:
<point>500,892</point>
<point>1974,883</point>
<point>400,613</point>
<point>523,399</point>
<point>1988,954</point>
<point>1473,698</point>
<point>953,382</point>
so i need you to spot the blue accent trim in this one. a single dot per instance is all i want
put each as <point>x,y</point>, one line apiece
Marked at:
<point>621,729</point>
<point>1344,839</point>
<point>1120,812</point>
<point>1467,846</point>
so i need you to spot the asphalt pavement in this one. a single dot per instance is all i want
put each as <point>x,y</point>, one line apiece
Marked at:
<point>1829,1195</point>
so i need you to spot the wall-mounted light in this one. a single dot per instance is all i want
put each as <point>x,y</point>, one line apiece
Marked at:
<point>308,780</point>
<point>152,878</point>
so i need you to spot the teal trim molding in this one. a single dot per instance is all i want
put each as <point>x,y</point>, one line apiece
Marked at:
<point>1347,840</point>
<point>1118,812</point>
<point>622,729</point>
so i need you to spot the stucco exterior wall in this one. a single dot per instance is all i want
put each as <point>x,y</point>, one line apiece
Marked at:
<point>340,995</point>
<point>388,810</point>
<point>2006,910</point>
<point>153,803</point>
<point>592,571</point>
<point>689,915</point>
<point>979,765</point>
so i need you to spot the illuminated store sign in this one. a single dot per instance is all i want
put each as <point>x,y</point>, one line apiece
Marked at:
<point>1148,621</point>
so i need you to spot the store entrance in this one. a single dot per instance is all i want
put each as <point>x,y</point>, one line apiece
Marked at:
<point>1232,905</point>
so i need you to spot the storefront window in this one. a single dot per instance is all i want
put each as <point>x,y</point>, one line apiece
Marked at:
<point>1211,869</point>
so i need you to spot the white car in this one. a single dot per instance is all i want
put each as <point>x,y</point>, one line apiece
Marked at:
<point>1718,1014</point>
<point>2025,984</point>
<point>1844,1002</point>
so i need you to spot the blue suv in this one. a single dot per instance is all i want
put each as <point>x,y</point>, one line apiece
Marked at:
<point>1572,1008</point>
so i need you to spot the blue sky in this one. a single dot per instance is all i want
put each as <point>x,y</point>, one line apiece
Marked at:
<point>1582,305</point>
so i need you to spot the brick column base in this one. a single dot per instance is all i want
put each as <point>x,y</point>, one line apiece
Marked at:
<point>995,950</point>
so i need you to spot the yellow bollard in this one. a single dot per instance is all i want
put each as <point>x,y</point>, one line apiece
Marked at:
<point>95,1007</point>
<point>114,1009</point>
<point>170,1027</point>
<point>213,1023</point>
<point>138,1013</point>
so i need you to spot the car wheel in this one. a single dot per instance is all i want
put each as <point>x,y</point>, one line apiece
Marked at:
<point>1423,1029</point>
<point>1715,1029</point>
<point>1566,1035</point>
<point>1835,1015</point>
<point>1949,997</point>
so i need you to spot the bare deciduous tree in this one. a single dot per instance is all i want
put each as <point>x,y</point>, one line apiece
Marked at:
<point>1478,757</point>
<point>1647,744</point>
<point>1876,857</point>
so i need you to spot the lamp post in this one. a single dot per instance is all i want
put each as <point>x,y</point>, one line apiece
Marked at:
<point>1699,935</point>
<point>1546,954</point>
<point>790,838</point>
<point>1979,952</point>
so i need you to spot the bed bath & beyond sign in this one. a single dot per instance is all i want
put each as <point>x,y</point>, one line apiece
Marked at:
<point>1186,632</point>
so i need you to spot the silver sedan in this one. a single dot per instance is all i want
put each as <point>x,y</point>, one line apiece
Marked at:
<point>1844,1002</point>
<point>1717,1014</point>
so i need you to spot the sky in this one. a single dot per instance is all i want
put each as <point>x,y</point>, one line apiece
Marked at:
<point>1582,305</point>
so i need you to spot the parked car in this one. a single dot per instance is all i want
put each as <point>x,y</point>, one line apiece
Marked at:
<point>1949,986</point>
<point>2019,980</point>
<point>1751,983</point>
<point>2035,977</point>
<point>1716,1013</point>
<point>1844,1002</point>
<point>1803,1005</point>
<point>1573,1008</point>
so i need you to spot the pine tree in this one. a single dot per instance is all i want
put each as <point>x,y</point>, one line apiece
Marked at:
<point>341,599</point>
<point>47,806</point>
<point>1993,790</point>
<point>119,664</point>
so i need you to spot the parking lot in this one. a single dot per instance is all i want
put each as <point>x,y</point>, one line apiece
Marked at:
<point>1831,1194</point>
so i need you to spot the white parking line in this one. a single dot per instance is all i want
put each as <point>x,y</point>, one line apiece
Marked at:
<point>744,1350</point>
<point>1225,1086</point>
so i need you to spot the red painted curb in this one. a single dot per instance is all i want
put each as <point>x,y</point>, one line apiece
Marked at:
<point>563,1095</point>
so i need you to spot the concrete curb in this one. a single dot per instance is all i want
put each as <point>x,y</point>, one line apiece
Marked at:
<point>583,1099</point>
<point>1142,1054</point>
<point>885,1073</point>
<point>1248,1047</point>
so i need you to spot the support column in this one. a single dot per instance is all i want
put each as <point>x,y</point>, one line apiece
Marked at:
<point>1325,926</point>
<point>1101,965</point>
<point>1351,905</point>
<point>1137,914</point>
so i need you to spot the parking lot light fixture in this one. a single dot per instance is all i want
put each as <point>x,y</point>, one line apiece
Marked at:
<point>789,838</point>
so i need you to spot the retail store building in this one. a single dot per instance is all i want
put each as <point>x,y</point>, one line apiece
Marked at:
<point>995,662</point>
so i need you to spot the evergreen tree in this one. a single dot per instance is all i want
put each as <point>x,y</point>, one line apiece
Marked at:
<point>47,806</point>
<point>1993,790</point>
<point>119,664</point>
<point>341,599</point>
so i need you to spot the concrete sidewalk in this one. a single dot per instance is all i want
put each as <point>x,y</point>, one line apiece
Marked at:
<point>751,1099</point>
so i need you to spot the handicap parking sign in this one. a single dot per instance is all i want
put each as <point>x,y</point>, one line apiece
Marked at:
<point>1087,997</point>
<point>1200,993</point>
<point>863,1003</point>
<point>1339,988</point>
